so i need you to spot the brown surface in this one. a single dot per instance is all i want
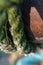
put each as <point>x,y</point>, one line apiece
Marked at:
<point>32,11</point>
<point>36,19</point>
<point>36,23</point>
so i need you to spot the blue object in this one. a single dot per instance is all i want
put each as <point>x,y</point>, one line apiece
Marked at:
<point>30,59</point>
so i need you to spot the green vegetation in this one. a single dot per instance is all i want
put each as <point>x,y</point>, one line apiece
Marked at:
<point>11,23</point>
